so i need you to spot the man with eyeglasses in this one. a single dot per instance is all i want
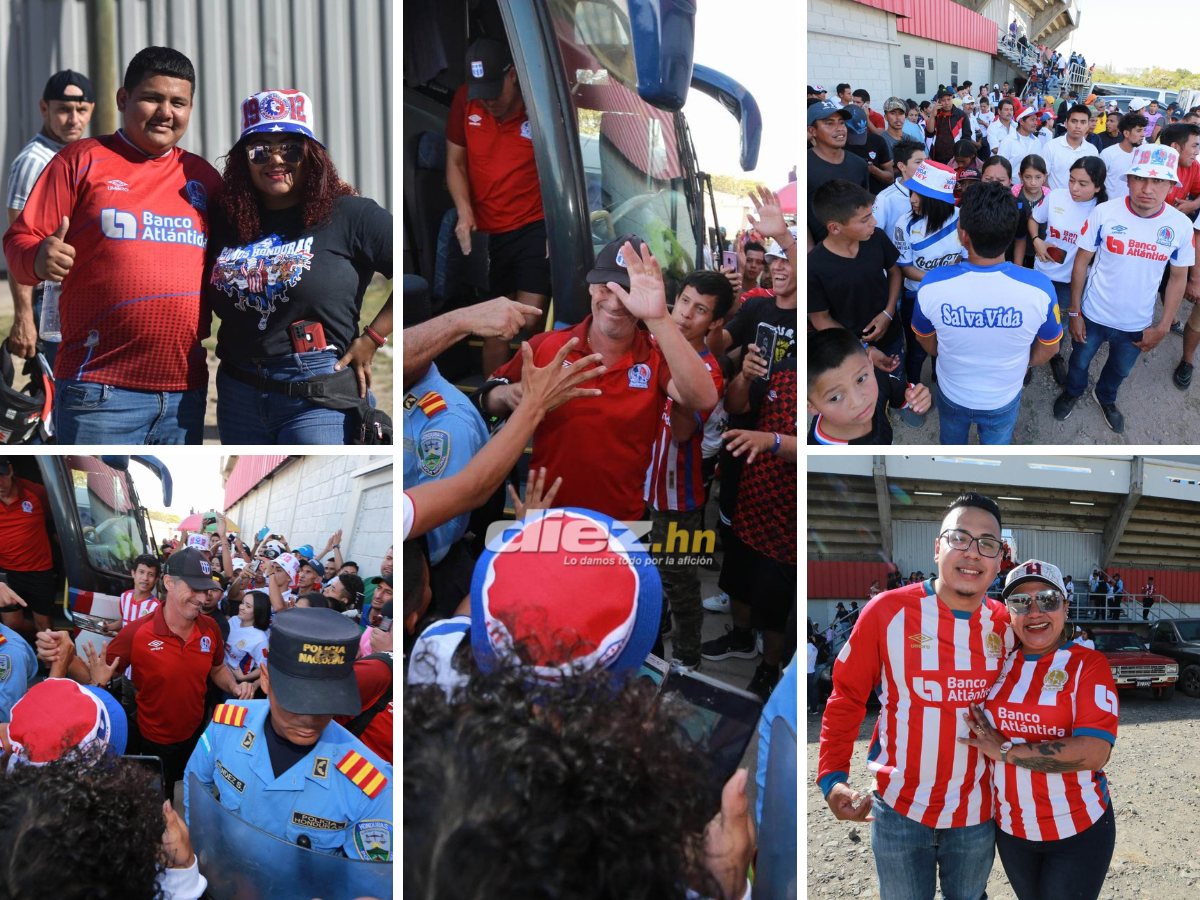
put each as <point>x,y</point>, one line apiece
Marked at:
<point>933,648</point>
<point>122,222</point>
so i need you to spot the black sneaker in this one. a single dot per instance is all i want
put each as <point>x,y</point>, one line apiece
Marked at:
<point>1183,376</point>
<point>1058,368</point>
<point>1177,328</point>
<point>1064,406</point>
<point>764,681</point>
<point>1112,415</point>
<point>736,642</point>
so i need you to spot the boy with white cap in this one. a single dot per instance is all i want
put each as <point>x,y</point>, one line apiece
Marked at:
<point>1132,240</point>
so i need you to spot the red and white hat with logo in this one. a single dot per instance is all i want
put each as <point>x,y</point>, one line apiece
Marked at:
<point>933,180</point>
<point>274,112</point>
<point>1154,161</point>
<point>59,716</point>
<point>565,590</point>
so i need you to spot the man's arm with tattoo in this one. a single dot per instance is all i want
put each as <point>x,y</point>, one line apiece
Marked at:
<point>1073,754</point>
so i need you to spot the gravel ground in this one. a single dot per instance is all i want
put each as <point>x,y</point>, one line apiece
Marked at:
<point>1156,412</point>
<point>1154,780</point>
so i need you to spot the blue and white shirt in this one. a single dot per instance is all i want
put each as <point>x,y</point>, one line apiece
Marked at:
<point>926,251</point>
<point>26,168</point>
<point>986,319</point>
<point>890,204</point>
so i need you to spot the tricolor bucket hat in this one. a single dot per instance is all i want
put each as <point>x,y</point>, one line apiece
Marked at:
<point>565,590</point>
<point>933,180</point>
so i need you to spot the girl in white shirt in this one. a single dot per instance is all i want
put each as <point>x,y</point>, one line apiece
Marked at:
<point>1064,213</point>
<point>245,650</point>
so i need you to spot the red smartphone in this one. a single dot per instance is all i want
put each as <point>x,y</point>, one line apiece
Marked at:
<point>1058,254</point>
<point>307,335</point>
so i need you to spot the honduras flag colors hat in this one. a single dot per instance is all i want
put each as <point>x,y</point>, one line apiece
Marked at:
<point>565,590</point>
<point>274,112</point>
<point>58,715</point>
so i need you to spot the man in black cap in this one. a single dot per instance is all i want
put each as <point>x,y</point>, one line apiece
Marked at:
<point>310,576</point>
<point>947,127</point>
<point>283,765</point>
<point>601,445</point>
<point>493,179</point>
<point>67,104</point>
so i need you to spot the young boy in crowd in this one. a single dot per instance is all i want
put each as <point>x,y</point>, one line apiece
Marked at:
<point>848,397</point>
<point>853,280</point>
<point>966,167</point>
<point>675,488</point>
<point>895,200</point>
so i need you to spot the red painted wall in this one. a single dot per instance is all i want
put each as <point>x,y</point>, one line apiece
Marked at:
<point>846,580</point>
<point>1178,587</point>
<point>941,20</point>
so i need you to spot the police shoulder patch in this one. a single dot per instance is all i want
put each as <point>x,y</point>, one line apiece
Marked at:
<point>365,776</point>
<point>373,840</point>
<point>433,452</point>
<point>248,740</point>
<point>228,714</point>
<point>431,403</point>
<point>320,767</point>
<point>5,668</point>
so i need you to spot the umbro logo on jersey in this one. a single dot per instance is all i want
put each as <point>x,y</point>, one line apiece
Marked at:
<point>156,645</point>
<point>475,120</point>
<point>1118,229</point>
<point>920,641</point>
<point>118,185</point>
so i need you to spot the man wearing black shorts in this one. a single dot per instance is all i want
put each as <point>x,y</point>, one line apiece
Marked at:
<point>493,179</point>
<point>25,550</point>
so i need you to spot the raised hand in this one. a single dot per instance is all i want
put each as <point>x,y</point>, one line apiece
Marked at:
<point>55,256</point>
<point>554,384</point>
<point>647,296</point>
<point>770,221</point>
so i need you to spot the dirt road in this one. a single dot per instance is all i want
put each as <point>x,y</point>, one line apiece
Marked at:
<point>1154,780</point>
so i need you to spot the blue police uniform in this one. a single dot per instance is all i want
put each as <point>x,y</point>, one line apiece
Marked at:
<point>18,668</point>
<point>334,794</point>
<point>442,431</point>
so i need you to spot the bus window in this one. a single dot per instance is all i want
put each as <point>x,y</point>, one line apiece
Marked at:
<point>107,514</point>
<point>632,159</point>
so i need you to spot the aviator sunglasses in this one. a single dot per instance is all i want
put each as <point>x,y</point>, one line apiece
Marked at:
<point>260,154</point>
<point>1047,602</point>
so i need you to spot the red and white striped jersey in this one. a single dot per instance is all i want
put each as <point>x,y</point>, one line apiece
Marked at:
<point>674,480</point>
<point>1063,694</point>
<point>928,663</point>
<point>132,610</point>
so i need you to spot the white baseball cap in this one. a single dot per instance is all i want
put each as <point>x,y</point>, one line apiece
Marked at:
<point>1138,103</point>
<point>288,563</point>
<point>1154,161</point>
<point>1033,570</point>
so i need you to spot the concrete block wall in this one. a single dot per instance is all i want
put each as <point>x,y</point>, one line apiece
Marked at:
<point>311,497</point>
<point>846,43</point>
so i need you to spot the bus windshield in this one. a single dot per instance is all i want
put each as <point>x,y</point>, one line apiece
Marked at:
<point>108,514</point>
<point>633,160</point>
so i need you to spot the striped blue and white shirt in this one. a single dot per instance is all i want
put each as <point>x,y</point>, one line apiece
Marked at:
<point>926,251</point>
<point>27,167</point>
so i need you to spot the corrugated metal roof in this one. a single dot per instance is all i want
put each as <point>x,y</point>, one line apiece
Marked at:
<point>941,20</point>
<point>247,472</point>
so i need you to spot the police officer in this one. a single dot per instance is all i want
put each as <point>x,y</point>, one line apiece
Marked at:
<point>283,765</point>
<point>442,431</point>
<point>18,663</point>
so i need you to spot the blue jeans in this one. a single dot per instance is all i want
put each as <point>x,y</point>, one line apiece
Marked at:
<point>915,355</point>
<point>248,416</point>
<point>909,856</point>
<point>896,348</point>
<point>90,413</point>
<point>1122,356</point>
<point>995,426</point>
<point>1062,291</point>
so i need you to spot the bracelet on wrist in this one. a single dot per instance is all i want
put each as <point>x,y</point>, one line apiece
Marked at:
<point>374,335</point>
<point>778,441</point>
<point>1074,315</point>
<point>889,315</point>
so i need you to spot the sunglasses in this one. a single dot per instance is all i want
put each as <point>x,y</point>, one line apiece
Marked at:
<point>260,154</point>
<point>1047,602</point>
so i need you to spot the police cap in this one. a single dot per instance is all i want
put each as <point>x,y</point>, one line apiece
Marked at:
<point>310,661</point>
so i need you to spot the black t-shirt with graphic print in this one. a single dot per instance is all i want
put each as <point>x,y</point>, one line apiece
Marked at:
<point>294,274</point>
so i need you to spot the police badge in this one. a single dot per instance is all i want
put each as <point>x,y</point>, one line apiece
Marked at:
<point>5,668</point>
<point>433,452</point>
<point>373,840</point>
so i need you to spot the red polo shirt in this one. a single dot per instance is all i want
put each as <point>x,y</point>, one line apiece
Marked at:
<point>601,446</point>
<point>374,678</point>
<point>505,193</point>
<point>171,674</point>
<point>24,543</point>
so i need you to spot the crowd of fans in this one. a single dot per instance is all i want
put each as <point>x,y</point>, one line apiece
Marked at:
<point>978,227</point>
<point>252,666</point>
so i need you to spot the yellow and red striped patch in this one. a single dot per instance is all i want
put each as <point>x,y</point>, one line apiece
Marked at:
<point>3,639</point>
<point>365,776</point>
<point>228,714</point>
<point>431,403</point>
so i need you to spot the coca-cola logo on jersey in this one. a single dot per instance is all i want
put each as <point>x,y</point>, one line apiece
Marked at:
<point>934,262</point>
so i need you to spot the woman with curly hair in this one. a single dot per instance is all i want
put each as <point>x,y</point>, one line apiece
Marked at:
<point>291,251</point>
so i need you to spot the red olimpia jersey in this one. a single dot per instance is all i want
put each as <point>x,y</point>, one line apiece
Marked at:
<point>132,314</point>
<point>929,663</point>
<point>675,480</point>
<point>1038,698</point>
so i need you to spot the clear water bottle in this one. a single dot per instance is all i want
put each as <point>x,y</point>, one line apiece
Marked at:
<point>49,327</point>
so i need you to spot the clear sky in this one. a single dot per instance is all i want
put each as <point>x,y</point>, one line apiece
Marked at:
<point>757,46</point>
<point>196,477</point>
<point>1111,33</point>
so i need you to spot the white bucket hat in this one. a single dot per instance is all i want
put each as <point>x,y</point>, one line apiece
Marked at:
<point>1155,161</point>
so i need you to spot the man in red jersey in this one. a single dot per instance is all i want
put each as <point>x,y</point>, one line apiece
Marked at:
<point>25,550</point>
<point>131,209</point>
<point>933,648</point>
<point>600,446</point>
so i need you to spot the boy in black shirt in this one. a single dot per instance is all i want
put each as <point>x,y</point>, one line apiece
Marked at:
<point>848,397</point>
<point>853,279</point>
